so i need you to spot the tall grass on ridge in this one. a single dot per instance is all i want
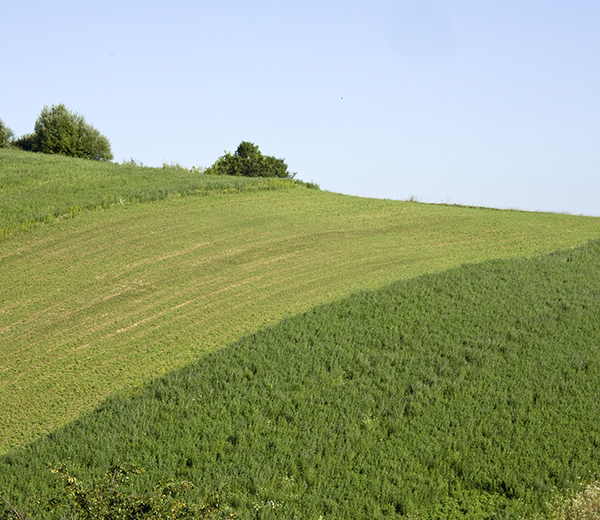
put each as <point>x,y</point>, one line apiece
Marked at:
<point>38,188</point>
<point>472,393</point>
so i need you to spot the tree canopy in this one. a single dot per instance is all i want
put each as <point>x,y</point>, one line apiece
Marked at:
<point>59,131</point>
<point>248,161</point>
<point>6,134</point>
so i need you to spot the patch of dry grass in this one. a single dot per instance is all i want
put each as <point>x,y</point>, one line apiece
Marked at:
<point>583,504</point>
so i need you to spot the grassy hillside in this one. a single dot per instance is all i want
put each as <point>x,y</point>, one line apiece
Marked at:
<point>105,301</point>
<point>37,188</point>
<point>470,393</point>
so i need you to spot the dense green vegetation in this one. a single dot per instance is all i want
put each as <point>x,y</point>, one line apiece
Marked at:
<point>470,393</point>
<point>466,393</point>
<point>38,188</point>
<point>58,130</point>
<point>248,161</point>
<point>6,135</point>
<point>110,497</point>
<point>107,300</point>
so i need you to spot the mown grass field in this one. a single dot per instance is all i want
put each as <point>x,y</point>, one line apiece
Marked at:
<point>470,393</point>
<point>111,298</point>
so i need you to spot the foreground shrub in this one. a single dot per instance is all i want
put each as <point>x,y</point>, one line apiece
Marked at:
<point>248,161</point>
<point>110,497</point>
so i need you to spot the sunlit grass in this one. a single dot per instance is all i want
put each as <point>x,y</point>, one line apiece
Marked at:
<point>102,302</point>
<point>39,188</point>
<point>470,393</point>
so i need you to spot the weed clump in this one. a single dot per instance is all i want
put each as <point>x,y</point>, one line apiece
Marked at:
<point>583,504</point>
<point>111,497</point>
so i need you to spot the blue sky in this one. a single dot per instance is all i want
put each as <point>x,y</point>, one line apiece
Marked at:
<point>487,103</point>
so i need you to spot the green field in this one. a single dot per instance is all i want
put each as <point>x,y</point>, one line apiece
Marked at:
<point>465,394</point>
<point>36,188</point>
<point>109,299</point>
<point>125,292</point>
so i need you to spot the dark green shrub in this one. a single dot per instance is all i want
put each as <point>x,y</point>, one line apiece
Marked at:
<point>58,131</point>
<point>110,497</point>
<point>26,142</point>
<point>248,161</point>
<point>91,144</point>
<point>309,185</point>
<point>6,134</point>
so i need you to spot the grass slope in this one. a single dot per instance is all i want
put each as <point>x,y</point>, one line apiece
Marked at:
<point>105,301</point>
<point>470,393</point>
<point>37,188</point>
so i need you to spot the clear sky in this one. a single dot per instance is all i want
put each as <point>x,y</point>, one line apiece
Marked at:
<point>480,102</point>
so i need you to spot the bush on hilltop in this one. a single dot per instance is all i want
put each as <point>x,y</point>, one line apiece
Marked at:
<point>25,142</point>
<point>6,135</point>
<point>57,130</point>
<point>248,161</point>
<point>60,131</point>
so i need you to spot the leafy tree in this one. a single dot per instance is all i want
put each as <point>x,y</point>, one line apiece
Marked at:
<point>59,131</point>
<point>248,161</point>
<point>91,144</point>
<point>6,134</point>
